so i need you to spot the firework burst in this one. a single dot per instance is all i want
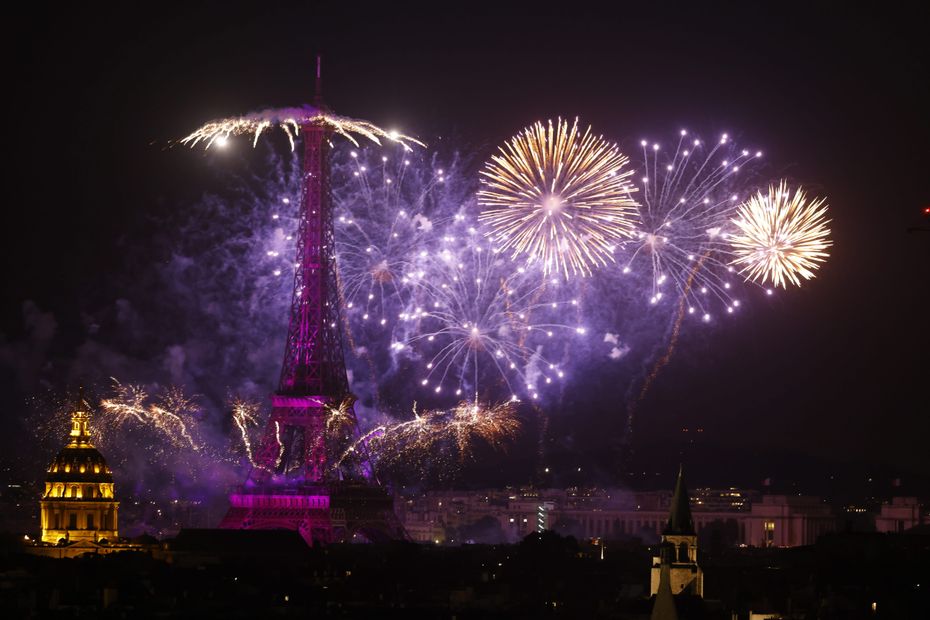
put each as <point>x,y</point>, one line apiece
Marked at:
<point>558,195</point>
<point>475,318</point>
<point>782,236</point>
<point>682,226</point>
<point>469,422</point>
<point>290,121</point>
<point>384,205</point>
<point>340,419</point>
<point>439,441</point>
<point>171,414</point>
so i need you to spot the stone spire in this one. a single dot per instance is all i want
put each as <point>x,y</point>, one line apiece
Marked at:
<point>680,522</point>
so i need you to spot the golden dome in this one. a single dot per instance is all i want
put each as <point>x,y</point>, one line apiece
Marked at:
<point>79,472</point>
<point>78,504</point>
<point>79,464</point>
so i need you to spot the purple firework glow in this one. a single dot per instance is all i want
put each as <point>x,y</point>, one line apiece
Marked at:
<point>431,311</point>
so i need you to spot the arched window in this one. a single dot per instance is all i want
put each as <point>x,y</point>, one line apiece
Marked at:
<point>683,552</point>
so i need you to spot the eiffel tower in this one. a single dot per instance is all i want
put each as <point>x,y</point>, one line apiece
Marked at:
<point>295,483</point>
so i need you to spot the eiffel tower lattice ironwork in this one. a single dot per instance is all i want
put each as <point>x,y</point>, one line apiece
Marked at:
<point>294,482</point>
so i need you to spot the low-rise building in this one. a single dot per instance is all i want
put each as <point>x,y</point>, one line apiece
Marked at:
<point>722,517</point>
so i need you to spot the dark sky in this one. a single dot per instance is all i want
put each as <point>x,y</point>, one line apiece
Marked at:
<point>839,98</point>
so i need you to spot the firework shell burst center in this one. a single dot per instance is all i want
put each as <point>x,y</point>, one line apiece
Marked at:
<point>560,196</point>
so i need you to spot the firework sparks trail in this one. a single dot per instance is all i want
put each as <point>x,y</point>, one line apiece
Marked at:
<point>277,437</point>
<point>167,416</point>
<point>471,421</point>
<point>170,422</point>
<point>670,349</point>
<point>360,447</point>
<point>245,415</point>
<point>560,196</point>
<point>782,235</point>
<point>128,403</point>
<point>689,194</point>
<point>440,438</point>
<point>290,120</point>
<point>174,405</point>
<point>476,318</point>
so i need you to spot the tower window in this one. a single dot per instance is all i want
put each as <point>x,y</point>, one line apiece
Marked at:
<point>683,552</point>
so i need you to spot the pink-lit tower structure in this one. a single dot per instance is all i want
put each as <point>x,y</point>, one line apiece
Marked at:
<point>294,483</point>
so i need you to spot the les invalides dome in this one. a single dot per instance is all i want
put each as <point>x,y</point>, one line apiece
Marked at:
<point>78,503</point>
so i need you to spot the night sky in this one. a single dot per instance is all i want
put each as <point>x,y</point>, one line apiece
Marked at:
<point>839,100</point>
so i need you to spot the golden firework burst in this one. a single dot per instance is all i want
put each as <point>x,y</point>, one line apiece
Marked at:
<point>782,236</point>
<point>559,195</point>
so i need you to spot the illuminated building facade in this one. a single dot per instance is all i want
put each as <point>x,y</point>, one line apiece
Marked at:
<point>788,521</point>
<point>899,515</point>
<point>78,503</point>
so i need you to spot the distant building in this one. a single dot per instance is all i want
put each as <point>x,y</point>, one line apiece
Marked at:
<point>421,529</point>
<point>899,515</point>
<point>788,521</point>
<point>79,511</point>
<point>78,504</point>
<point>678,549</point>
<point>723,518</point>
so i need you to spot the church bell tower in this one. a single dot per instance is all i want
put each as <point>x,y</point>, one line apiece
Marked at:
<point>679,540</point>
